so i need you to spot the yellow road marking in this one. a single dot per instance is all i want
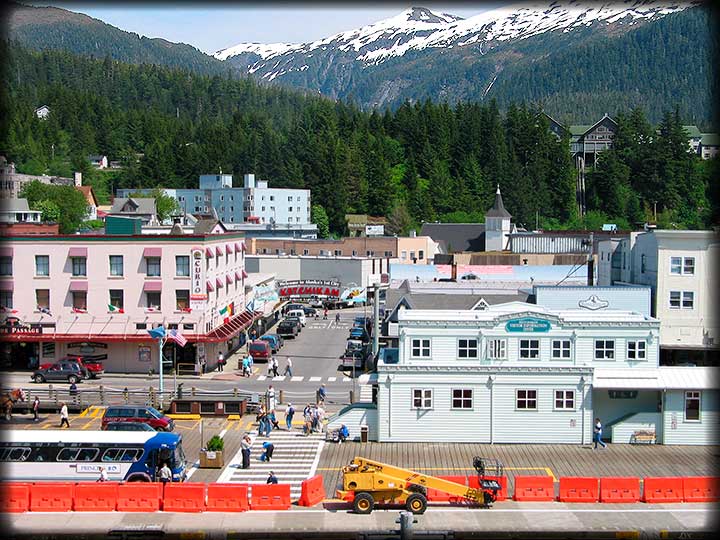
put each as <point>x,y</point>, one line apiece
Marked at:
<point>90,423</point>
<point>85,412</point>
<point>248,425</point>
<point>184,416</point>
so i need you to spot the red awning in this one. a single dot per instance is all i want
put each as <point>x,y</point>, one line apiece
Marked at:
<point>218,251</point>
<point>244,273</point>
<point>242,244</point>
<point>238,246</point>
<point>229,249</point>
<point>6,252</point>
<point>77,252</point>
<point>7,285</point>
<point>209,252</point>
<point>152,252</point>
<point>152,286</point>
<point>228,279</point>
<point>78,286</point>
<point>209,286</point>
<point>238,277</point>
<point>218,283</point>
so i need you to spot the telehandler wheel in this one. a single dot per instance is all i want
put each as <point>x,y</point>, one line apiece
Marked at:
<point>416,503</point>
<point>363,503</point>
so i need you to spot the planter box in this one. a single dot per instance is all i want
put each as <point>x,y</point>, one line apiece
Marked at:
<point>211,459</point>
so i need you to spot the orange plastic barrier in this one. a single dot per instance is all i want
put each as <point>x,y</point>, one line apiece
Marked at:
<point>227,498</point>
<point>701,489</point>
<point>139,497</point>
<point>534,488</point>
<point>663,490</point>
<point>95,496</point>
<point>474,482</point>
<point>312,491</point>
<point>579,489</point>
<point>434,495</point>
<point>184,497</point>
<point>619,489</point>
<point>14,497</point>
<point>51,497</point>
<point>270,497</point>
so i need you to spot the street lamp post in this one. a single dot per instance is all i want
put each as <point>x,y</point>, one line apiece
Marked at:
<point>161,342</point>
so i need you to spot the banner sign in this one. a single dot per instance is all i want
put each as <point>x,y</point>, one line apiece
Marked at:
<point>306,288</point>
<point>527,324</point>
<point>198,291</point>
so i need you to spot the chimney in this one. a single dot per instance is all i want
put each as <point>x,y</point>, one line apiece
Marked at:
<point>249,181</point>
<point>77,176</point>
<point>413,233</point>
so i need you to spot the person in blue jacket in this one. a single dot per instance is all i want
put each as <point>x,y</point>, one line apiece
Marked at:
<point>268,449</point>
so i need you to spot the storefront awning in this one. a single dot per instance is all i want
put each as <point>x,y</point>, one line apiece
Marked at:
<point>209,252</point>
<point>228,279</point>
<point>152,252</point>
<point>238,246</point>
<point>77,252</point>
<point>218,283</point>
<point>218,251</point>
<point>244,273</point>
<point>152,286</point>
<point>229,249</point>
<point>236,324</point>
<point>238,277</point>
<point>209,286</point>
<point>78,286</point>
<point>662,378</point>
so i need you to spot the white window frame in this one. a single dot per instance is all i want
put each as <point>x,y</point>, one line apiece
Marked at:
<point>421,348</point>
<point>497,349</point>
<point>563,345</point>
<point>682,266</point>
<point>604,349</point>
<point>691,267</point>
<point>565,397</point>
<point>425,396</point>
<point>675,297</point>
<point>688,296</point>
<point>468,348</point>
<point>526,399</point>
<point>37,266</point>
<point>692,395</point>
<point>462,399</point>
<point>528,349</point>
<point>637,349</point>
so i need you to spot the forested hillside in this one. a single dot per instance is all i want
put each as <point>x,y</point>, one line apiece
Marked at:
<point>423,161</point>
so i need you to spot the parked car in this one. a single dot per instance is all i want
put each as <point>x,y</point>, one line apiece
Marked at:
<point>128,426</point>
<point>290,307</point>
<point>355,345</point>
<point>359,333</point>
<point>299,314</point>
<point>71,372</point>
<point>279,338</point>
<point>358,357</point>
<point>260,350</point>
<point>316,302</point>
<point>310,312</point>
<point>287,329</point>
<point>94,367</point>
<point>137,414</point>
<point>273,341</point>
<point>296,321</point>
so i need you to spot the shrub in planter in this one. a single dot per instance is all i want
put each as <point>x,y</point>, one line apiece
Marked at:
<point>216,443</point>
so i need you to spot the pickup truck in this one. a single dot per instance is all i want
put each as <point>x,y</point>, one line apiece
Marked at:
<point>357,357</point>
<point>94,367</point>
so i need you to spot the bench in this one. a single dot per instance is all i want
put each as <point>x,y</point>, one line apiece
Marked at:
<point>642,437</point>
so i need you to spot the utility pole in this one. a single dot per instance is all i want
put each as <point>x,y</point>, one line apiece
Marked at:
<point>591,263</point>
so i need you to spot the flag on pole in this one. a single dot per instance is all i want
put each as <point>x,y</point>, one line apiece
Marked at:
<point>157,333</point>
<point>115,309</point>
<point>177,337</point>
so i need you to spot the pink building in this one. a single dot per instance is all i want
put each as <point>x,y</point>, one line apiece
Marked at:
<point>98,295</point>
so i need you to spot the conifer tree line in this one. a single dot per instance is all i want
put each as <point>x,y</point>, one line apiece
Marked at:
<point>421,162</point>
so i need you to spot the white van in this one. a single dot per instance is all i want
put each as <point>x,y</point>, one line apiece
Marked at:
<point>299,313</point>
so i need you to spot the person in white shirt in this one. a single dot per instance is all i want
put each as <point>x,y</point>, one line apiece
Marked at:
<point>103,475</point>
<point>288,367</point>
<point>165,473</point>
<point>64,416</point>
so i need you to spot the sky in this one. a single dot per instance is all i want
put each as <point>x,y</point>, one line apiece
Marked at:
<point>212,27</point>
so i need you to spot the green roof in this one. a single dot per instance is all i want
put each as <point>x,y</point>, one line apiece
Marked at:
<point>710,139</point>
<point>579,130</point>
<point>692,131</point>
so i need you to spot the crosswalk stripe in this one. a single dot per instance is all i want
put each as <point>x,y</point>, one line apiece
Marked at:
<point>261,377</point>
<point>315,379</point>
<point>332,379</point>
<point>279,378</point>
<point>346,379</point>
<point>297,379</point>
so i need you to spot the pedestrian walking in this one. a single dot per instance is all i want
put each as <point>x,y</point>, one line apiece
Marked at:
<point>268,449</point>
<point>325,314</point>
<point>103,475</point>
<point>270,398</point>
<point>273,419</point>
<point>597,435</point>
<point>289,413</point>
<point>220,361</point>
<point>246,367</point>
<point>337,318</point>
<point>321,394</point>
<point>165,473</point>
<point>202,365</point>
<point>245,445</point>
<point>288,367</point>
<point>36,409</point>
<point>271,479</point>
<point>64,416</point>
<point>275,366</point>
<point>262,419</point>
<point>73,391</point>
<point>308,418</point>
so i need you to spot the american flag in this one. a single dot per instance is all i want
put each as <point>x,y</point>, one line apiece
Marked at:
<point>177,337</point>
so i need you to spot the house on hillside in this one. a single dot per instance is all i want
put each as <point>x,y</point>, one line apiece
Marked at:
<point>99,162</point>
<point>42,112</point>
<point>92,201</point>
<point>144,208</point>
<point>18,211</point>
<point>709,145</point>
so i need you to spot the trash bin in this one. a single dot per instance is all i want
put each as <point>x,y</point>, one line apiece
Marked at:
<point>363,434</point>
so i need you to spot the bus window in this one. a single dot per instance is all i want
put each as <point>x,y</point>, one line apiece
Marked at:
<point>19,454</point>
<point>112,454</point>
<point>4,453</point>
<point>67,454</point>
<point>131,454</point>
<point>87,454</point>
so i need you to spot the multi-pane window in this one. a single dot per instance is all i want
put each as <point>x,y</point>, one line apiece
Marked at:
<point>636,350</point>
<point>565,400</point>
<point>182,299</point>
<point>153,266</point>
<point>6,266</point>
<point>689,265</point>
<point>467,348</point>
<point>529,348</point>
<point>42,298</point>
<point>526,400</point>
<point>604,349</point>
<point>692,405</point>
<point>116,265</point>
<point>6,299</point>
<point>153,300</point>
<point>420,348</point>
<point>561,349</point>
<point>80,300</point>
<point>79,266</point>
<point>182,265</point>
<point>688,300</point>
<point>462,398</point>
<point>682,265</point>
<point>675,297</point>
<point>117,298</point>
<point>497,349</point>
<point>42,265</point>
<point>422,398</point>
